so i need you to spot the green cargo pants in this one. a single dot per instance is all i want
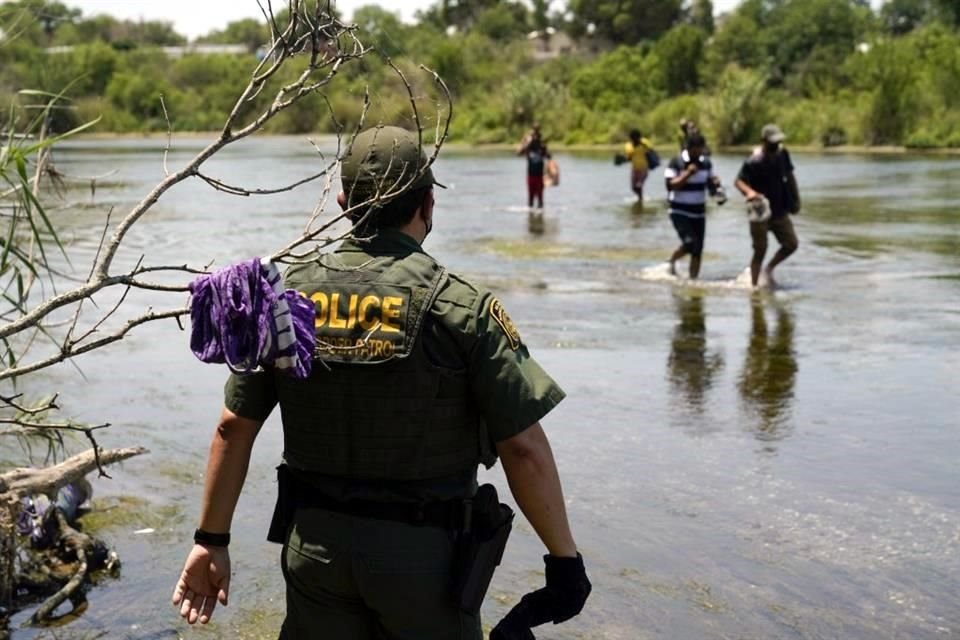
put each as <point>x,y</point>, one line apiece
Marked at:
<point>352,578</point>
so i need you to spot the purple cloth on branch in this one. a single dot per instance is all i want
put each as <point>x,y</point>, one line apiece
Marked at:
<point>243,317</point>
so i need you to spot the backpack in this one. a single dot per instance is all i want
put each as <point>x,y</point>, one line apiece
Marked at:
<point>653,158</point>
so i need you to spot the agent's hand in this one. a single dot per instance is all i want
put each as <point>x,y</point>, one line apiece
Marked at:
<point>564,596</point>
<point>204,582</point>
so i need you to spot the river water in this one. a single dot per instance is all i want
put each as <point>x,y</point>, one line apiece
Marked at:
<point>737,465</point>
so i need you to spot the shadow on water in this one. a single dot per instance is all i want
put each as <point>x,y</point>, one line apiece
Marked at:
<point>536,224</point>
<point>769,373</point>
<point>692,365</point>
<point>644,214</point>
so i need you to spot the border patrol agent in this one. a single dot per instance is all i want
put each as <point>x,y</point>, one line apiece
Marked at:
<point>418,378</point>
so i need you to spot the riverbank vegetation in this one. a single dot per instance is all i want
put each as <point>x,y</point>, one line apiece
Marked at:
<point>830,72</point>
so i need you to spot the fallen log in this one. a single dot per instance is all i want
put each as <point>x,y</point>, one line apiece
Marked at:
<point>29,481</point>
<point>22,482</point>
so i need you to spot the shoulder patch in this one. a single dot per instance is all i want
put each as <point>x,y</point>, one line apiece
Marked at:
<point>498,313</point>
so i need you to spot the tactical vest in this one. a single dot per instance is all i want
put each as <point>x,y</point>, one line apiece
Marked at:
<point>375,407</point>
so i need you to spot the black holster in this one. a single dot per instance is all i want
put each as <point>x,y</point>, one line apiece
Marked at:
<point>285,509</point>
<point>487,525</point>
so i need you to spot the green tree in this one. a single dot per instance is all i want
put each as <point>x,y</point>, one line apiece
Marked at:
<point>891,109</point>
<point>540,15</point>
<point>382,29</point>
<point>461,14</point>
<point>902,16</point>
<point>101,28</point>
<point>250,32</point>
<point>93,65</point>
<point>448,60</point>
<point>624,21</point>
<point>819,74</point>
<point>700,14</point>
<point>797,27</point>
<point>504,21</point>
<point>680,53</point>
<point>154,32</point>
<point>622,78</point>
<point>756,10</point>
<point>527,99</point>
<point>939,51</point>
<point>739,41</point>
<point>948,12</point>
<point>736,110</point>
<point>140,96</point>
<point>36,21</point>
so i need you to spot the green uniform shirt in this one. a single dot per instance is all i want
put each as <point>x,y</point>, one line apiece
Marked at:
<point>469,330</point>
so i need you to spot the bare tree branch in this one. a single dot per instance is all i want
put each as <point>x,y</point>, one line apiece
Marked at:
<point>73,350</point>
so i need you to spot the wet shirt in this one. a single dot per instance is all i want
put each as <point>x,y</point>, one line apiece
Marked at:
<point>690,199</point>
<point>769,175</point>
<point>537,155</point>
<point>466,329</point>
<point>637,155</point>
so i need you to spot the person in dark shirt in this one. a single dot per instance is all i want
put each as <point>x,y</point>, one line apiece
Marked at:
<point>768,173</point>
<point>687,128</point>
<point>534,148</point>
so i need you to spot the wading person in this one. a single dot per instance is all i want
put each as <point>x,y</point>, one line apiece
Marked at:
<point>768,173</point>
<point>534,149</point>
<point>421,378</point>
<point>687,128</point>
<point>689,176</point>
<point>639,152</point>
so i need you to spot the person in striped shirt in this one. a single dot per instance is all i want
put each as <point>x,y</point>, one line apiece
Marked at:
<point>689,176</point>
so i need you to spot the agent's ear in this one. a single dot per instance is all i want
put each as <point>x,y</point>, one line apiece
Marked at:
<point>426,207</point>
<point>342,200</point>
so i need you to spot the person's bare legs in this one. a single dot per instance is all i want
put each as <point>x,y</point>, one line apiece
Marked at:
<point>787,238</point>
<point>782,254</point>
<point>755,266</point>
<point>758,234</point>
<point>679,253</point>
<point>756,263</point>
<point>694,267</point>
<point>636,183</point>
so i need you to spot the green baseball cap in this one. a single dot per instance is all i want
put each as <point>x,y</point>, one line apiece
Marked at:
<point>773,134</point>
<point>385,158</point>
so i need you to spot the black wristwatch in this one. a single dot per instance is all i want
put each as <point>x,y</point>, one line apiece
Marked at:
<point>211,539</point>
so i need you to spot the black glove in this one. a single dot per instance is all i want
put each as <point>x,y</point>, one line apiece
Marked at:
<point>563,598</point>
<point>507,631</point>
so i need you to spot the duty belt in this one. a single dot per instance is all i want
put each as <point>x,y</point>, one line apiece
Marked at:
<point>448,514</point>
<point>292,494</point>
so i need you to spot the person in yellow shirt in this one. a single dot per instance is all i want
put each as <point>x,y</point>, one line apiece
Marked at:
<point>643,159</point>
